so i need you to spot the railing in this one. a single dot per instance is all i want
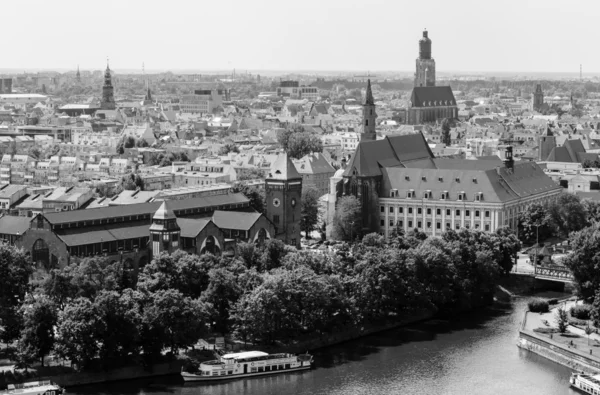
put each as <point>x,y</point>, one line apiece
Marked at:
<point>556,272</point>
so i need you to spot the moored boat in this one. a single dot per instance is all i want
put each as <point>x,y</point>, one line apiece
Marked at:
<point>586,383</point>
<point>248,364</point>
<point>34,387</point>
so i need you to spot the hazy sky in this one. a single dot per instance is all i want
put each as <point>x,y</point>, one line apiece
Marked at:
<point>468,35</point>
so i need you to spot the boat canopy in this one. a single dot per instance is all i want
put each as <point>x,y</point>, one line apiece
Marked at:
<point>247,354</point>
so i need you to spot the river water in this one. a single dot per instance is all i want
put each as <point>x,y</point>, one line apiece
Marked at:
<point>474,354</point>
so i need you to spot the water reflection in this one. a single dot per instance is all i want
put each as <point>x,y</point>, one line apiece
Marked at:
<point>473,354</point>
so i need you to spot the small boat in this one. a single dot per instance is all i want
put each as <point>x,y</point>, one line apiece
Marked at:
<point>34,387</point>
<point>586,383</point>
<point>248,364</point>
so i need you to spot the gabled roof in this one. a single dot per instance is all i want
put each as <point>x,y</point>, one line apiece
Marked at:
<point>13,225</point>
<point>427,96</point>
<point>192,227</point>
<point>390,152</point>
<point>235,219</point>
<point>569,152</point>
<point>283,169</point>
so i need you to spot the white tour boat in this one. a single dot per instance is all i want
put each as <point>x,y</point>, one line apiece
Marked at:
<point>34,388</point>
<point>248,364</point>
<point>586,383</point>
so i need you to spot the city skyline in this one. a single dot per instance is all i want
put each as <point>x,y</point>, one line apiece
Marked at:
<point>528,36</point>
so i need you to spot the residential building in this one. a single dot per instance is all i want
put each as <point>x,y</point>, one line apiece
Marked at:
<point>203,101</point>
<point>315,172</point>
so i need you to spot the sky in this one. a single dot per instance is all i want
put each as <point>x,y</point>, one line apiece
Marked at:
<point>467,35</point>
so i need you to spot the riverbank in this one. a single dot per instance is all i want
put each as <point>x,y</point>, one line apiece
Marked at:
<point>556,347</point>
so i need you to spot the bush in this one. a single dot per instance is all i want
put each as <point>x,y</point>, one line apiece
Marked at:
<point>18,376</point>
<point>545,330</point>
<point>9,377</point>
<point>571,335</point>
<point>538,306</point>
<point>581,311</point>
<point>553,301</point>
<point>576,322</point>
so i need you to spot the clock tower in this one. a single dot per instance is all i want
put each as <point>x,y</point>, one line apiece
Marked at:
<point>283,187</point>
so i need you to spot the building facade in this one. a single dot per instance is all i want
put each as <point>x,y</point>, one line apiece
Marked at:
<point>203,101</point>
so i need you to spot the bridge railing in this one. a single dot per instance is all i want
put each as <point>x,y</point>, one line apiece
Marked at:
<point>552,271</point>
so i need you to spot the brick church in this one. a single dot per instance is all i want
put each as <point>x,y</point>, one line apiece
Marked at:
<point>428,102</point>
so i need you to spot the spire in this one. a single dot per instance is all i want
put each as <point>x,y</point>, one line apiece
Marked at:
<point>164,212</point>
<point>369,101</point>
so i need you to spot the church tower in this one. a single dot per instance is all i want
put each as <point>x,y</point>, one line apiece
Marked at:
<point>164,231</point>
<point>538,98</point>
<point>283,190</point>
<point>369,116</point>
<point>425,73</point>
<point>108,95</point>
<point>78,75</point>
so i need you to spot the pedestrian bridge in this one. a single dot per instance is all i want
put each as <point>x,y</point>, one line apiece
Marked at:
<point>553,273</point>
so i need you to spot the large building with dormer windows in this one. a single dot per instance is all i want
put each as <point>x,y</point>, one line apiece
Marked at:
<point>400,183</point>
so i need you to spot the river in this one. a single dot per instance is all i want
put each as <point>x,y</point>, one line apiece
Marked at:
<point>474,354</point>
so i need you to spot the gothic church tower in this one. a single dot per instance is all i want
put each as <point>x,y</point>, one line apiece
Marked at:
<point>425,73</point>
<point>369,116</point>
<point>108,94</point>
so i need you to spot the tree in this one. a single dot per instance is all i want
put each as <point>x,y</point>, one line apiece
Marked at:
<point>129,142</point>
<point>534,224</point>
<point>251,174</point>
<point>132,182</point>
<point>562,319</point>
<point>222,294</point>
<point>37,338</point>
<point>567,214</point>
<point>256,197</point>
<point>446,138</point>
<point>347,221</point>
<point>309,210</point>
<point>298,143</point>
<point>76,332</point>
<point>505,247</point>
<point>588,332</point>
<point>227,148</point>
<point>584,261</point>
<point>142,143</point>
<point>15,270</point>
<point>173,319</point>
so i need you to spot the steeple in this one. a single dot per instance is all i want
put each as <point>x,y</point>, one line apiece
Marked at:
<point>369,116</point>
<point>78,75</point>
<point>425,70</point>
<point>108,98</point>
<point>369,96</point>
<point>164,231</point>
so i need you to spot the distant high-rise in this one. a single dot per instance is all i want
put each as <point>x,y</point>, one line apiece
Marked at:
<point>425,72</point>
<point>538,98</point>
<point>108,94</point>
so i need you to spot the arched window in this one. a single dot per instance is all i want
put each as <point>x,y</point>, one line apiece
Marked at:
<point>40,254</point>
<point>211,246</point>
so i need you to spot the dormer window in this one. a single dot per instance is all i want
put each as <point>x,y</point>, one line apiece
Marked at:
<point>457,179</point>
<point>410,194</point>
<point>394,193</point>
<point>445,195</point>
<point>462,196</point>
<point>479,196</point>
<point>440,179</point>
<point>474,180</point>
<point>427,195</point>
<point>423,178</point>
<point>407,178</point>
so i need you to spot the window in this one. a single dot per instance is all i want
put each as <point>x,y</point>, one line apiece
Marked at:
<point>476,226</point>
<point>419,224</point>
<point>444,195</point>
<point>382,223</point>
<point>155,237</point>
<point>400,210</point>
<point>487,213</point>
<point>447,211</point>
<point>438,225</point>
<point>457,179</point>
<point>440,179</point>
<point>382,209</point>
<point>428,225</point>
<point>467,213</point>
<point>457,226</point>
<point>410,194</point>
<point>487,227</point>
<point>458,213</point>
<point>428,211</point>
<point>391,223</point>
<point>400,223</point>
<point>276,219</point>
<point>438,211</point>
<point>410,210</point>
<point>423,178</point>
<point>477,213</point>
<point>410,224</point>
<point>447,225</point>
<point>391,209</point>
<point>419,210</point>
